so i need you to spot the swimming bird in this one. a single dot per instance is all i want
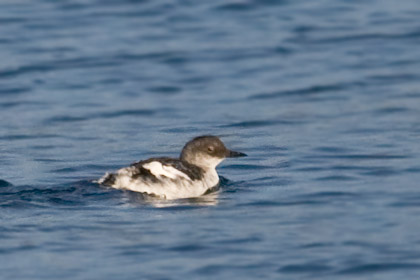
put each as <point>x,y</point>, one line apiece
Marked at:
<point>191,175</point>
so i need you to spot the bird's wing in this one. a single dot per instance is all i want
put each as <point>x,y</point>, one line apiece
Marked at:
<point>159,169</point>
<point>170,168</point>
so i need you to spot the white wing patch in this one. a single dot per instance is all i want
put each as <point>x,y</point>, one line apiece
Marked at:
<point>158,169</point>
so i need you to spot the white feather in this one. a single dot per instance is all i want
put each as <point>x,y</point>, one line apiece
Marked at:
<point>158,169</point>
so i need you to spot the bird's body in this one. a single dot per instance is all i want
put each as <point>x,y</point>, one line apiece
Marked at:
<point>191,175</point>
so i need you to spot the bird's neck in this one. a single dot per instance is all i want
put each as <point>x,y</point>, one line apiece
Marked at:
<point>208,167</point>
<point>206,163</point>
<point>211,177</point>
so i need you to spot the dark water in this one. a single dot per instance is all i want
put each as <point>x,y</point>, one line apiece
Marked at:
<point>324,97</point>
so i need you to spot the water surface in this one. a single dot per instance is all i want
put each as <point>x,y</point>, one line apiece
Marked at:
<point>323,96</point>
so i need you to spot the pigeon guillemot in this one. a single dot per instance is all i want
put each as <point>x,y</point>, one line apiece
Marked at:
<point>191,175</point>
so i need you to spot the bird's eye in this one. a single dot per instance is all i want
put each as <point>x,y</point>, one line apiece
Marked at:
<point>210,149</point>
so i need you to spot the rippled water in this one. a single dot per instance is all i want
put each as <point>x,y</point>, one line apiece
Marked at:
<point>324,97</point>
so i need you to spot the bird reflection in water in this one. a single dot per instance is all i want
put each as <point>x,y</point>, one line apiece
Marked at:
<point>208,199</point>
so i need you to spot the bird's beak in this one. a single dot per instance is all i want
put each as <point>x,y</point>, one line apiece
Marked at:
<point>234,154</point>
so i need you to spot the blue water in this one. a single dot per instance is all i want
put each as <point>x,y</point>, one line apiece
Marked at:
<point>324,97</point>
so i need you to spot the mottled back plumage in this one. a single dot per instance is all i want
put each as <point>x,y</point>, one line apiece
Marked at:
<point>192,171</point>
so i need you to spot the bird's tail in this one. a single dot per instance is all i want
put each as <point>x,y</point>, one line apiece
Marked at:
<point>107,180</point>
